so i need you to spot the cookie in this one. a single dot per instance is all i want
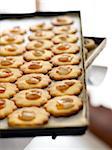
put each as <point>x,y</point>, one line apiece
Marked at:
<point>41,26</point>
<point>65,59</point>
<point>65,72</point>
<point>44,35</point>
<point>11,62</point>
<point>65,48</point>
<point>63,106</point>
<point>33,81</point>
<point>12,50</point>
<point>28,117</point>
<point>11,39</point>
<point>70,38</point>
<point>6,107</point>
<point>89,44</point>
<point>62,20</point>
<point>39,44</point>
<point>41,54</point>
<point>31,97</point>
<point>9,75</point>
<point>85,52</point>
<point>36,67</point>
<point>65,87</point>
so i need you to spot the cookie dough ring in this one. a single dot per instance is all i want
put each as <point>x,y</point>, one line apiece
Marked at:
<point>31,97</point>
<point>38,55</point>
<point>7,90</point>
<point>63,106</point>
<point>65,48</point>
<point>65,87</point>
<point>44,35</point>
<point>65,59</point>
<point>6,107</point>
<point>70,38</point>
<point>33,81</point>
<point>11,62</point>
<point>28,117</point>
<point>39,44</point>
<point>12,50</point>
<point>36,67</point>
<point>9,75</point>
<point>41,26</point>
<point>89,44</point>
<point>11,39</point>
<point>62,20</point>
<point>65,72</point>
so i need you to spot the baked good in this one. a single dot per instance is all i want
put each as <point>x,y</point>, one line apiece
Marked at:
<point>40,26</point>
<point>89,44</point>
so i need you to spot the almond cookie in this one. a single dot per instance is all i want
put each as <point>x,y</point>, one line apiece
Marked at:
<point>44,35</point>
<point>65,87</point>
<point>11,62</point>
<point>39,44</point>
<point>64,29</point>
<point>65,59</point>
<point>41,26</point>
<point>12,50</point>
<point>6,107</point>
<point>31,97</point>
<point>33,81</point>
<point>63,106</point>
<point>28,117</point>
<point>11,39</point>
<point>9,75</point>
<point>36,67</point>
<point>7,90</point>
<point>65,48</point>
<point>62,20</point>
<point>89,44</point>
<point>38,55</point>
<point>65,72</point>
<point>70,38</point>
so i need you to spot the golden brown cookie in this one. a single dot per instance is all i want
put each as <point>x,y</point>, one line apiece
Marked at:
<point>6,107</point>
<point>33,81</point>
<point>28,117</point>
<point>41,26</point>
<point>9,75</point>
<point>65,59</point>
<point>7,90</point>
<point>65,72</point>
<point>89,44</point>
<point>63,106</point>
<point>41,54</point>
<point>31,97</point>
<point>65,87</point>
<point>11,62</point>
<point>12,50</point>
<point>65,48</point>
<point>36,67</point>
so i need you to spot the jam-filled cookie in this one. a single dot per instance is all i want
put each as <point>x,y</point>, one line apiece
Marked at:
<point>65,59</point>
<point>44,35</point>
<point>89,44</point>
<point>41,54</point>
<point>31,97</point>
<point>63,106</point>
<point>12,50</point>
<point>6,107</point>
<point>36,67</point>
<point>65,48</point>
<point>62,20</point>
<point>39,44</point>
<point>9,75</point>
<point>70,38</point>
<point>65,72</point>
<point>41,26</point>
<point>33,81</point>
<point>65,87</point>
<point>28,117</point>
<point>7,90</point>
<point>11,62</point>
<point>11,39</point>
